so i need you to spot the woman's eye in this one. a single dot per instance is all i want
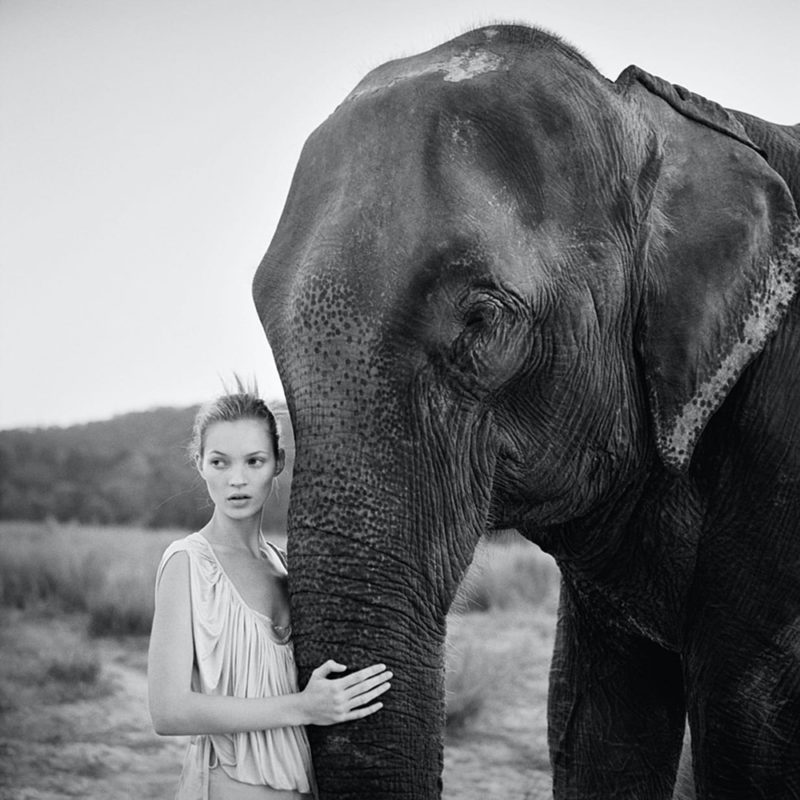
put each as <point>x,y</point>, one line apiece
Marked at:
<point>217,462</point>
<point>256,462</point>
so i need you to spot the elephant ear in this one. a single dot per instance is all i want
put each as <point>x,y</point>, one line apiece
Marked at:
<point>721,256</point>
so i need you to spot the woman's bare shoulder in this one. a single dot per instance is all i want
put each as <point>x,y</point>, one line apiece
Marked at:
<point>173,573</point>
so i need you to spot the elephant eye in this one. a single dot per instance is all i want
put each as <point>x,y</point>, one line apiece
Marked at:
<point>479,321</point>
<point>481,313</point>
<point>494,338</point>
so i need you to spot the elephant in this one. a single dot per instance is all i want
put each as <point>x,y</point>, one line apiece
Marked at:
<point>508,292</point>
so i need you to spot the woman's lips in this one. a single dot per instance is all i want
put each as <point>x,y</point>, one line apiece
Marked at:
<point>238,498</point>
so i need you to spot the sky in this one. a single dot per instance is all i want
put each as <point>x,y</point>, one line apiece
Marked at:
<point>147,146</point>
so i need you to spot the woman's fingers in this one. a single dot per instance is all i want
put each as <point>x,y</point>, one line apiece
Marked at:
<point>323,670</point>
<point>365,686</point>
<point>351,696</point>
<point>362,675</point>
<point>333,700</point>
<point>364,711</point>
<point>359,700</point>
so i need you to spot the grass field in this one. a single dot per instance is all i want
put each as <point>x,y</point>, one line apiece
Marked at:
<point>107,573</point>
<point>78,603</point>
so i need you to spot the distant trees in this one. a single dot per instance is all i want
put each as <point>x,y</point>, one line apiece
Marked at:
<point>133,469</point>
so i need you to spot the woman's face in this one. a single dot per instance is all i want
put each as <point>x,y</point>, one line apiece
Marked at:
<point>238,465</point>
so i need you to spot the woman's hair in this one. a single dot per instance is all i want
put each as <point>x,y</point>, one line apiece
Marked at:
<point>244,403</point>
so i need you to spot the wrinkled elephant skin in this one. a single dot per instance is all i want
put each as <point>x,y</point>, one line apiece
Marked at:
<point>507,292</point>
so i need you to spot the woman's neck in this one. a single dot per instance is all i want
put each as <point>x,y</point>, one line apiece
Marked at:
<point>237,534</point>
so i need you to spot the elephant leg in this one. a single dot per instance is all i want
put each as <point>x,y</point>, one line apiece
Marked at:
<point>616,710</point>
<point>744,707</point>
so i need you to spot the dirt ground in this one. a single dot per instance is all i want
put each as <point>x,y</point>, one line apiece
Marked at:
<point>70,735</point>
<point>99,746</point>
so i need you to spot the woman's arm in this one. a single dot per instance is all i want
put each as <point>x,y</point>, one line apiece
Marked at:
<point>177,710</point>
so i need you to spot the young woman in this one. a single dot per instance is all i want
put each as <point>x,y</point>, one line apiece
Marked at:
<point>221,666</point>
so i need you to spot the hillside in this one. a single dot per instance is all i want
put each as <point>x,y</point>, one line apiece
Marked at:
<point>133,468</point>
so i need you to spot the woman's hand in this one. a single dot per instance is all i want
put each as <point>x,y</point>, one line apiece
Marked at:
<point>332,700</point>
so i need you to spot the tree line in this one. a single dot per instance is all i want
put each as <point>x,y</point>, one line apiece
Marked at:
<point>132,469</point>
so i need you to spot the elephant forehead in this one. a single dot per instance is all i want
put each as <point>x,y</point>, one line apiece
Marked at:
<point>463,65</point>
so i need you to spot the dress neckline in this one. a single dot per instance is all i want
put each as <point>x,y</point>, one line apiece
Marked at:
<point>263,544</point>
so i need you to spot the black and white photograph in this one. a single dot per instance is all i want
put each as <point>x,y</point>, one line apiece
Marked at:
<point>400,400</point>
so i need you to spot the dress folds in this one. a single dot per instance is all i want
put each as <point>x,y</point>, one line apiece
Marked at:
<point>238,652</point>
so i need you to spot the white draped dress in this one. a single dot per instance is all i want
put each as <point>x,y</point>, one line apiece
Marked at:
<point>238,652</point>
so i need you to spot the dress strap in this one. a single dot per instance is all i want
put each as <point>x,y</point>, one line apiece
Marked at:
<point>278,552</point>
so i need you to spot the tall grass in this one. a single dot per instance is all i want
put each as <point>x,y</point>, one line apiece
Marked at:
<point>107,572</point>
<point>508,572</point>
<point>467,684</point>
<point>51,667</point>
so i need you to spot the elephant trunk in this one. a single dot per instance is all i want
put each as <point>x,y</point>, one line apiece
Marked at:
<point>397,752</point>
<point>362,594</point>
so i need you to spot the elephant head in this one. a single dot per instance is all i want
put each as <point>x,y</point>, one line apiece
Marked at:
<point>502,290</point>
